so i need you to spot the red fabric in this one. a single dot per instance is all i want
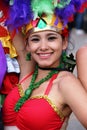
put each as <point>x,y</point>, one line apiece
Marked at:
<point>9,82</point>
<point>6,50</point>
<point>3,31</point>
<point>71,19</point>
<point>35,114</point>
<point>84,5</point>
<point>4,7</point>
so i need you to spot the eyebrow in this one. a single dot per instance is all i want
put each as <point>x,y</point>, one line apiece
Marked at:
<point>52,33</point>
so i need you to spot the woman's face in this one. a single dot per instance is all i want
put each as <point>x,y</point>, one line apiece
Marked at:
<point>46,48</point>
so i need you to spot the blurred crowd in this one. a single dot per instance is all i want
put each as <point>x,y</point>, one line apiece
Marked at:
<point>80,23</point>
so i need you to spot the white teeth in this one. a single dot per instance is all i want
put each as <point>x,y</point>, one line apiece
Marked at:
<point>44,54</point>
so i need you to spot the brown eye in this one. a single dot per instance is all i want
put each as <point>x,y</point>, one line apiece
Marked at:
<point>52,38</point>
<point>34,40</point>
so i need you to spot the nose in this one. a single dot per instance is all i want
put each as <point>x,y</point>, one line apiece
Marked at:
<point>43,45</point>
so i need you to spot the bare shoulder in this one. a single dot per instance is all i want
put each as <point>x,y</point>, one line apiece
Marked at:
<point>81,59</point>
<point>82,51</point>
<point>68,85</point>
<point>65,75</point>
<point>67,80</point>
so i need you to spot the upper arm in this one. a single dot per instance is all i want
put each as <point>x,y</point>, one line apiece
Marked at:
<point>75,97</point>
<point>26,67</point>
<point>81,60</point>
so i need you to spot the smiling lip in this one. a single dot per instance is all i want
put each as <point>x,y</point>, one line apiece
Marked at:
<point>44,55</point>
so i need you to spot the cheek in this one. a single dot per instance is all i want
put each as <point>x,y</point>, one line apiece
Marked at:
<point>58,46</point>
<point>33,48</point>
<point>59,49</point>
<point>31,45</point>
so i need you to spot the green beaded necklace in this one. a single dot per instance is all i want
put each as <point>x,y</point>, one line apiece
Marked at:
<point>33,85</point>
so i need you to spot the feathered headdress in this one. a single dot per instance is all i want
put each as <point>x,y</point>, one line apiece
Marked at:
<point>41,14</point>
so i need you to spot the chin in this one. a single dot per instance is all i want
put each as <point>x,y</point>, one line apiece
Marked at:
<point>43,66</point>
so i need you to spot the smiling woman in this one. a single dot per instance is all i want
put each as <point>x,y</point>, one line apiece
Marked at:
<point>46,48</point>
<point>46,98</point>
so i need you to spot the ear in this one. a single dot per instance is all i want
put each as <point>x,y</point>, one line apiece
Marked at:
<point>65,43</point>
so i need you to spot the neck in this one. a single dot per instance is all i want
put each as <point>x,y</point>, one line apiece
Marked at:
<point>42,74</point>
<point>56,68</point>
<point>29,67</point>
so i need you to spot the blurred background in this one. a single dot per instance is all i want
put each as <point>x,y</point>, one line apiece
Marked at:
<point>78,38</point>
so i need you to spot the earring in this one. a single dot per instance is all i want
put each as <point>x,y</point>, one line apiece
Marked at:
<point>28,56</point>
<point>64,56</point>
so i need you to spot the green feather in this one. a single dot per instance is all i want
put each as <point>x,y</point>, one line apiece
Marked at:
<point>42,6</point>
<point>61,4</point>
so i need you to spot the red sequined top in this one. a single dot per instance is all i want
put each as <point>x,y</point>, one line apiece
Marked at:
<point>37,113</point>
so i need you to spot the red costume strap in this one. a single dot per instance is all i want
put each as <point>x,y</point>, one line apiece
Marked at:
<point>21,81</point>
<point>50,84</point>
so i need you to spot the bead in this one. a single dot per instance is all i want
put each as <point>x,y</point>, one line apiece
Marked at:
<point>28,92</point>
